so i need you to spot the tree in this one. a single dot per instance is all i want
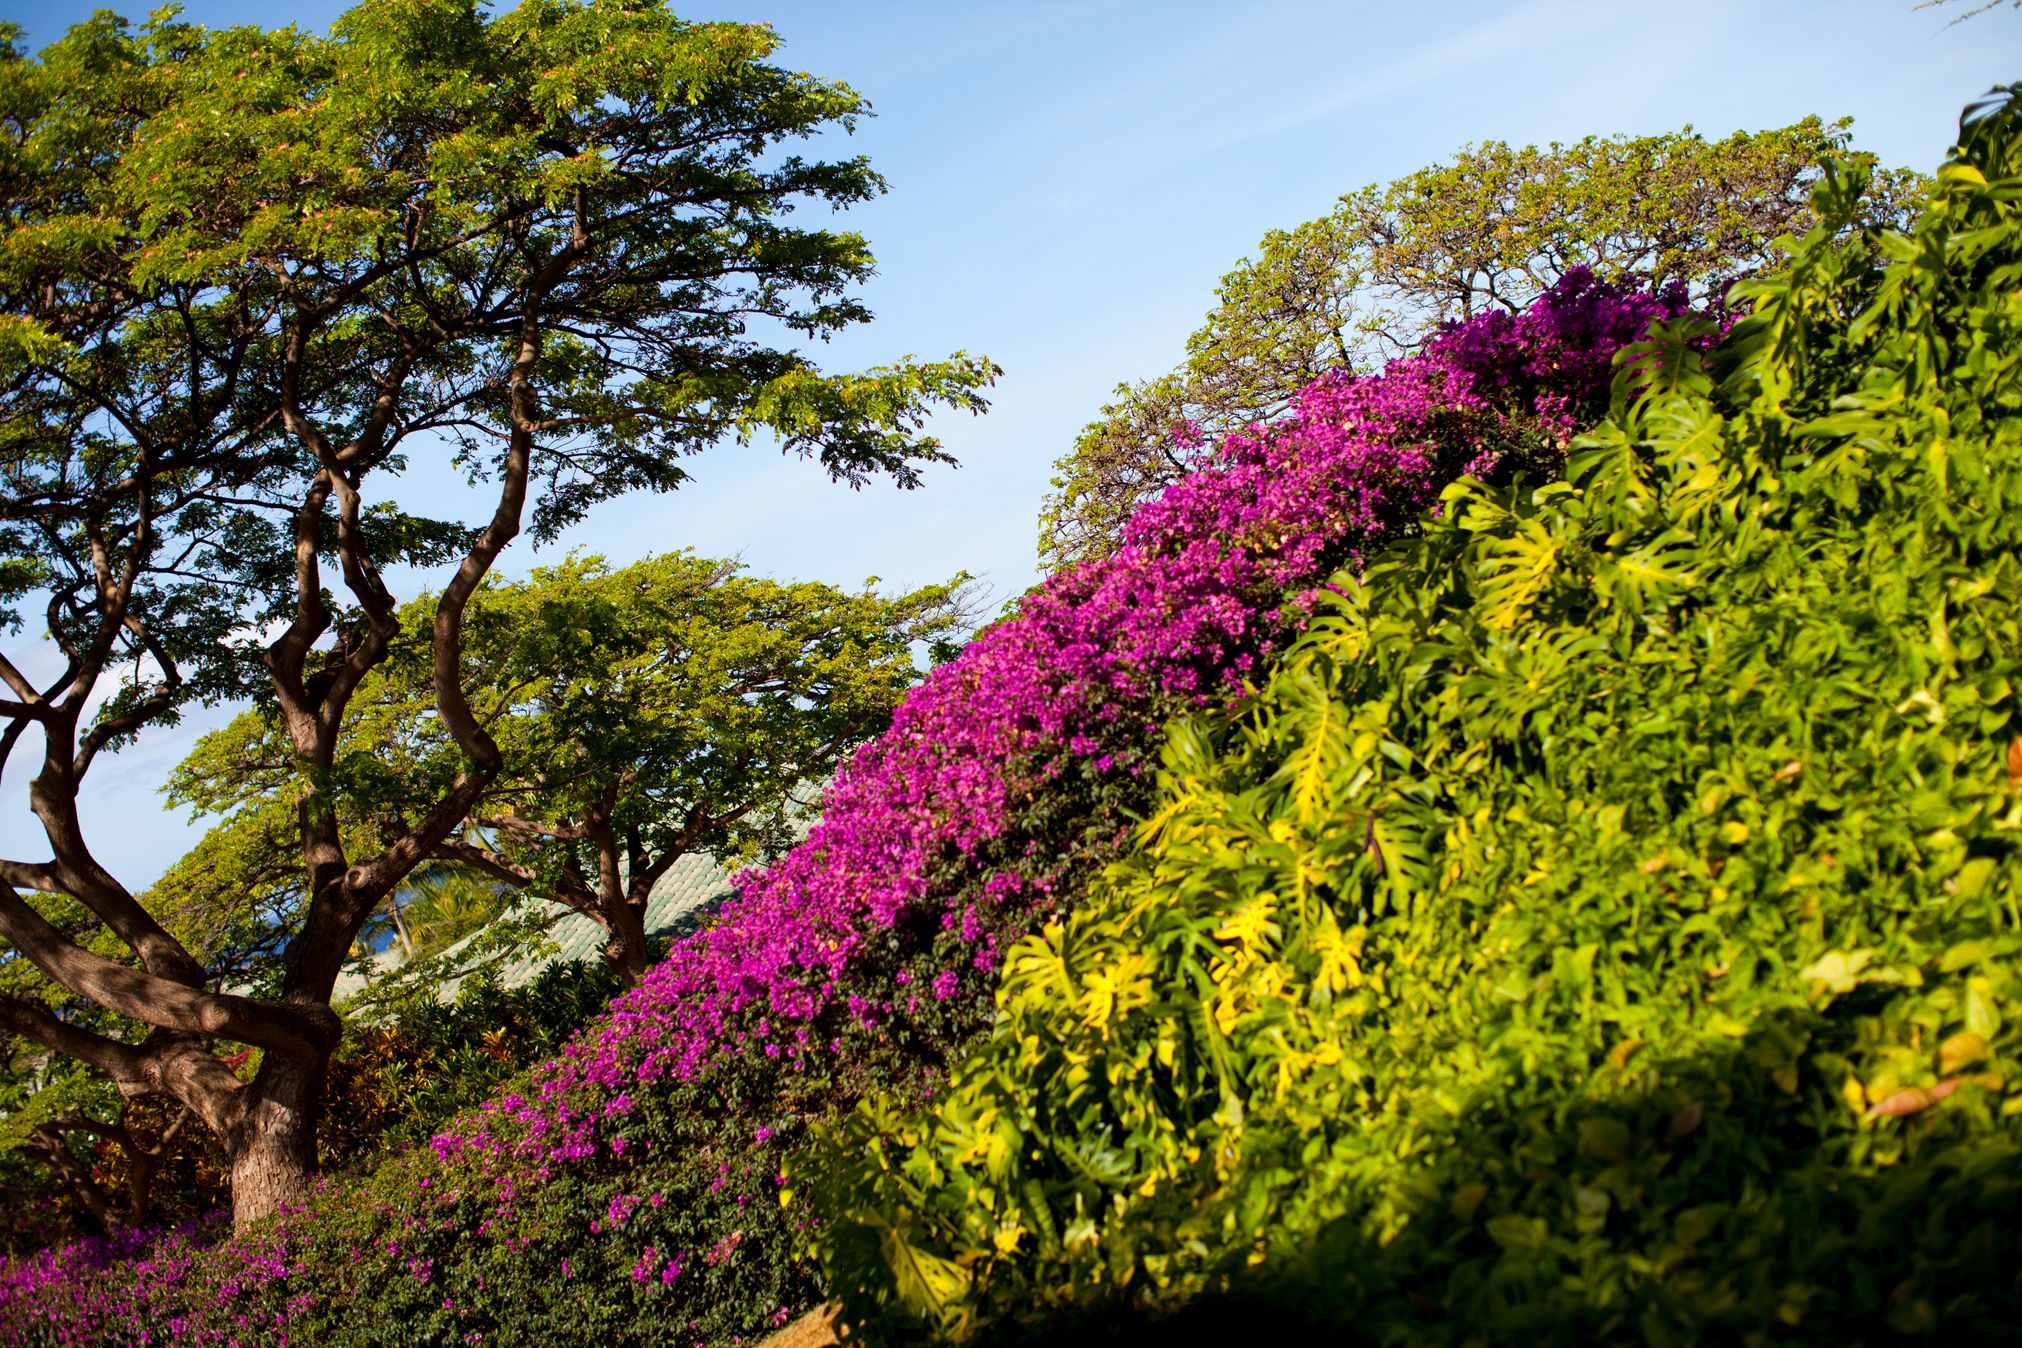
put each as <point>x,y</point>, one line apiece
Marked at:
<point>645,713</point>
<point>438,906</point>
<point>245,275</point>
<point>1495,228</point>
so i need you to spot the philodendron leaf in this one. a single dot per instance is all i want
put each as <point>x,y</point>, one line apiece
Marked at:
<point>1983,1016</point>
<point>1518,1233</point>
<point>932,1286</point>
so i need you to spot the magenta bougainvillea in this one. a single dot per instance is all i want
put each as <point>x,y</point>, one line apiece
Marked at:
<point>1003,780</point>
<point>1208,578</point>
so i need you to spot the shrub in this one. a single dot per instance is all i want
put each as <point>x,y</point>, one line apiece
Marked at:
<point>1606,926</point>
<point>419,1062</point>
<point>628,1190</point>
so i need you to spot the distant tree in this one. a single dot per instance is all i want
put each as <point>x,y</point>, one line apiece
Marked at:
<point>644,713</point>
<point>244,277</point>
<point>1495,228</point>
<point>438,906</point>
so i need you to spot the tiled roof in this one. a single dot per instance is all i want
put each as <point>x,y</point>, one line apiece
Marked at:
<point>689,891</point>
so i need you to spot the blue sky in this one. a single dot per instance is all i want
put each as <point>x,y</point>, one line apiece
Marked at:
<point>1069,181</point>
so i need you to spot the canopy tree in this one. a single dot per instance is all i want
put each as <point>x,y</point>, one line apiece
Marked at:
<point>644,713</point>
<point>1494,229</point>
<point>244,277</point>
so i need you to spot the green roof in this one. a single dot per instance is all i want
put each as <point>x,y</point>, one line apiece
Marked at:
<point>689,891</point>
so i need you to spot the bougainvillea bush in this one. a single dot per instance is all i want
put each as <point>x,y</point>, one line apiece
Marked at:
<point>1606,924</point>
<point>1005,777</point>
<point>630,1188</point>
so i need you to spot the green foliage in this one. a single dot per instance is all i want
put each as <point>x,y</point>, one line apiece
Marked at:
<point>184,1177</point>
<point>1495,228</point>
<point>235,898</point>
<point>677,701</point>
<point>206,163</point>
<point>570,1259</point>
<point>1606,926</point>
<point>43,1092</point>
<point>36,1088</point>
<point>441,904</point>
<point>417,1063</point>
<point>645,712</point>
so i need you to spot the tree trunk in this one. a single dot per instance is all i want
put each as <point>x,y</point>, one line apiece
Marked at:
<point>400,924</point>
<point>273,1144</point>
<point>627,952</point>
<point>141,1169</point>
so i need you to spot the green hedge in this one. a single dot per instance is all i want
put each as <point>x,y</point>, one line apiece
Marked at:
<point>414,1064</point>
<point>1603,928</point>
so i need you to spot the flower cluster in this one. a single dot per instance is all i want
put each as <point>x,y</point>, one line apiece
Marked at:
<point>1003,782</point>
<point>922,832</point>
<point>98,1290</point>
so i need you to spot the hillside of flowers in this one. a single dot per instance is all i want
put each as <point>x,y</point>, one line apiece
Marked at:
<point>1067,699</point>
<point>628,1190</point>
<point>1604,927</point>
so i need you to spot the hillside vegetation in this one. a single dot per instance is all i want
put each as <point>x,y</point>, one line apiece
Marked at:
<point>1518,850</point>
<point>631,1186</point>
<point>1603,926</point>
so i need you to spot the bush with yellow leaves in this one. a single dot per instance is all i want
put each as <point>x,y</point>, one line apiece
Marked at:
<point>1603,927</point>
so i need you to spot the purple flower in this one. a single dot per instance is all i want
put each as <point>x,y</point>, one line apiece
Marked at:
<point>1210,579</point>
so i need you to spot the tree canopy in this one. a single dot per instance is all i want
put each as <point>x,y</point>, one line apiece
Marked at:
<point>245,276</point>
<point>1493,229</point>
<point>645,713</point>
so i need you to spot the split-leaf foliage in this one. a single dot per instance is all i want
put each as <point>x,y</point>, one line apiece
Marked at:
<point>1606,926</point>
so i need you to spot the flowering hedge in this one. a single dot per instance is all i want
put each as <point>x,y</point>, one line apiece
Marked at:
<point>1604,927</point>
<point>866,957</point>
<point>1070,695</point>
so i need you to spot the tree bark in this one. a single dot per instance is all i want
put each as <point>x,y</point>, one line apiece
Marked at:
<point>626,952</point>
<point>273,1145</point>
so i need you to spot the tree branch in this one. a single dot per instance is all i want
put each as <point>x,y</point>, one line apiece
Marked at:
<point>579,899</point>
<point>14,679</point>
<point>74,1174</point>
<point>30,1020</point>
<point>26,875</point>
<point>158,1001</point>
